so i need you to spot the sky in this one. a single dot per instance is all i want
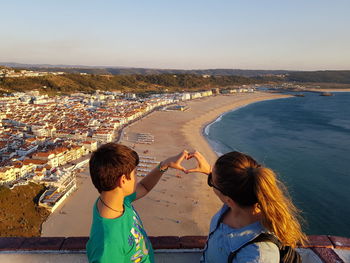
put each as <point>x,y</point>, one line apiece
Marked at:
<point>178,34</point>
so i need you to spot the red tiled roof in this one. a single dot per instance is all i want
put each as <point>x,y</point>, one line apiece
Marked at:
<point>34,161</point>
<point>42,154</point>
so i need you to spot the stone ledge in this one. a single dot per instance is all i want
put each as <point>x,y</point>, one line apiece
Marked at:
<point>327,254</point>
<point>42,243</point>
<point>191,242</point>
<point>340,242</point>
<point>319,241</point>
<point>158,242</point>
<point>74,243</point>
<point>165,242</point>
<point>10,243</point>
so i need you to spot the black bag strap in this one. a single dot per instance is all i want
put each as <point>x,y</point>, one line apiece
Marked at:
<point>263,237</point>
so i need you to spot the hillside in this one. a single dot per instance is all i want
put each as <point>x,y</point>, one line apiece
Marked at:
<point>68,83</point>
<point>20,215</point>
<point>327,76</point>
<point>142,71</point>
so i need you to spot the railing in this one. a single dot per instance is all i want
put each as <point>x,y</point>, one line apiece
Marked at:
<point>170,249</point>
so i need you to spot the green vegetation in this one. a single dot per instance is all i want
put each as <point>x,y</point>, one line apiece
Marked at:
<point>143,71</point>
<point>158,81</point>
<point>328,76</point>
<point>20,215</point>
<point>69,83</point>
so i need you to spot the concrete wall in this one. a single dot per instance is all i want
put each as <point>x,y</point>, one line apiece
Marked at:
<point>168,249</point>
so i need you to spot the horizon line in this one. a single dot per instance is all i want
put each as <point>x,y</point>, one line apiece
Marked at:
<point>19,64</point>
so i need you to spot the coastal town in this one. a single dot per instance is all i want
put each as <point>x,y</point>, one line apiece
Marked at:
<point>12,73</point>
<point>46,140</point>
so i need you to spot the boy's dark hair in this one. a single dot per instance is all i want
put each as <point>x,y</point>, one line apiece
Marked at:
<point>109,162</point>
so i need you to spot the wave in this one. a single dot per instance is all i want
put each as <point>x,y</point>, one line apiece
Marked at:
<point>216,145</point>
<point>207,127</point>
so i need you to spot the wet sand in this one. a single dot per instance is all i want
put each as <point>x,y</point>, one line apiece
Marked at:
<point>180,204</point>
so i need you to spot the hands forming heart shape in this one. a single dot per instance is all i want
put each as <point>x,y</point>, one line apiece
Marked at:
<point>176,162</point>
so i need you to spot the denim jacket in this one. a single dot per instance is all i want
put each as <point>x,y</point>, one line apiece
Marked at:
<point>223,240</point>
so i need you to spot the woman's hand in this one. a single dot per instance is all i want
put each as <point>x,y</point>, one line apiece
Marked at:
<point>202,164</point>
<point>175,161</point>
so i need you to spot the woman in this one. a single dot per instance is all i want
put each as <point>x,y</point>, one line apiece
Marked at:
<point>254,203</point>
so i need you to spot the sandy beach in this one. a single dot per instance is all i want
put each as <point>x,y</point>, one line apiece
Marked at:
<point>180,204</point>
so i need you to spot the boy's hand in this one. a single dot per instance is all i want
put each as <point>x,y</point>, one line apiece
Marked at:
<point>202,164</point>
<point>175,161</point>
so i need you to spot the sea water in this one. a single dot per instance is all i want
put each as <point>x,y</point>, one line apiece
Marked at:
<point>306,140</point>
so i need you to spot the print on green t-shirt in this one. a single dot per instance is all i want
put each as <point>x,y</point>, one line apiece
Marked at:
<point>122,239</point>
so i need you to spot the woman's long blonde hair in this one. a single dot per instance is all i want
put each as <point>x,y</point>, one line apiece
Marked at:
<point>248,184</point>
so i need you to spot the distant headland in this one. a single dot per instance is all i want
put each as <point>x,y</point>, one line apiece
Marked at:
<point>53,79</point>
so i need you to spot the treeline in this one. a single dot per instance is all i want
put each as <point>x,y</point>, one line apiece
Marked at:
<point>146,71</point>
<point>328,76</point>
<point>143,71</point>
<point>193,81</point>
<point>69,83</point>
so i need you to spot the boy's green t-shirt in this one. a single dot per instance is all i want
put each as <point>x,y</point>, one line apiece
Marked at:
<point>121,239</point>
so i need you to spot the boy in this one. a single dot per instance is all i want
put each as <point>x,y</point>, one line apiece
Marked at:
<point>117,233</point>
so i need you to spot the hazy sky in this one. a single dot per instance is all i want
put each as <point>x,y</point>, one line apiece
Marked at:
<point>188,34</point>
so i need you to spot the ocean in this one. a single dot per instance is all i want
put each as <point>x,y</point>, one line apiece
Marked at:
<point>306,141</point>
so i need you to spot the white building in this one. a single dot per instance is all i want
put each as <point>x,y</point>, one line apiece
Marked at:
<point>90,146</point>
<point>196,95</point>
<point>103,136</point>
<point>185,96</point>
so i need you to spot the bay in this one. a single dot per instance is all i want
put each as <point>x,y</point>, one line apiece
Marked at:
<point>306,141</point>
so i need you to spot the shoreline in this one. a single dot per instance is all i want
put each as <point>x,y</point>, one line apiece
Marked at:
<point>199,141</point>
<point>329,90</point>
<point>179,204</point>
<point>203,128</point>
